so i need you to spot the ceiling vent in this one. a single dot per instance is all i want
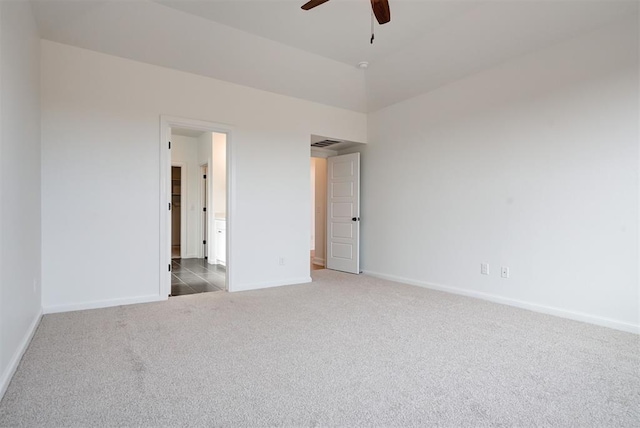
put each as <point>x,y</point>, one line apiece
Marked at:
<point>325,143</point>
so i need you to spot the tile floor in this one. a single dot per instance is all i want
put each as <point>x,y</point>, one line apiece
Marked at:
<point>190,276</point>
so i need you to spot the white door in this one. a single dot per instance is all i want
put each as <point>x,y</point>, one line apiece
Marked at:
<point>204,222</point>
<point>343,213</point>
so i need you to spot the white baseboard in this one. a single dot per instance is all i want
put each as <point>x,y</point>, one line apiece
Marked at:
<point>102,304</point>
<point>17,356</point>
<point>563,313</point>
<point>317,261</point>
<point>270,284</point>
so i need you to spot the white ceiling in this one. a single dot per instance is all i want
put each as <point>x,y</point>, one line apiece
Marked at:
<point>277,47</point>
<point>339,29</point>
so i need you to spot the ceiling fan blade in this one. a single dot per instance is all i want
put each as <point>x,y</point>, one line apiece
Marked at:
<point>313,3</point>
<point>380,10</point>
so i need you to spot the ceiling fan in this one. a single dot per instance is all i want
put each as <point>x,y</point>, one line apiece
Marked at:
<point>380,9</point>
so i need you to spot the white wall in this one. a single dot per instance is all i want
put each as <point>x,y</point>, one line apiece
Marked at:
<point>531,165</point>
<point>20,306</point>
<point>219,173</point>
<point>100,129</point>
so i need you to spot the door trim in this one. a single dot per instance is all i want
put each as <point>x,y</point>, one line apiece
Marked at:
<point>167,122</point>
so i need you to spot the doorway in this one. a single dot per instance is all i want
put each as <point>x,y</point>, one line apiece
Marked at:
<point>335,204</point>
<point>197,190</point>
<point>176,193</point>
<point>318,212</point>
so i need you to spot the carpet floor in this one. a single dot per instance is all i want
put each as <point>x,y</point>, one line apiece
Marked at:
<point>343,351</point>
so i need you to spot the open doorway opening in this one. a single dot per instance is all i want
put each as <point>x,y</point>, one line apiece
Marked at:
<point>335,204</point>
<point>318,210</point>
<point>198,198</point>
<point>176,214</point>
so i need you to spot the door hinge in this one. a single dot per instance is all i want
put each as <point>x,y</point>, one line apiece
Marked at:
<point>169,267</point>
<point>169,206</point>
<point>204,176</point>
<point>204,242</point>
<point>204,209</point>
<point>169,145</point>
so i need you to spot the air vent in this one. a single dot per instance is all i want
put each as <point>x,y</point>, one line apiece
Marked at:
<point>325,143</point>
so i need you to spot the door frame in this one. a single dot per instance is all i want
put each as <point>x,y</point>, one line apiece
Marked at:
<point>166,123</point>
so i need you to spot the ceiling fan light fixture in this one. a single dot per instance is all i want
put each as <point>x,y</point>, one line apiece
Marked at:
<point>363,65</point>
<point>380,9</point>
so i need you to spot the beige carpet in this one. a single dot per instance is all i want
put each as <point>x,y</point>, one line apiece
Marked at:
<point>343,351</point>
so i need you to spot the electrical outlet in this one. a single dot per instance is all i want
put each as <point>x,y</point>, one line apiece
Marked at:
<point>281,261</point>
<point>484,268</point>
<point>504,272</point>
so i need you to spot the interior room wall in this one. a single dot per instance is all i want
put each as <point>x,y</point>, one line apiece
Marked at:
<point>320,223</point>
<point>219,173</point>
<point>102,114</point>
<point>20,300</point>
<point>532,165</point>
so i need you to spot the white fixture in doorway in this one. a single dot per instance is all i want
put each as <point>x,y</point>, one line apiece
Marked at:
<point>220,234</point>
<point>166,123</point>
